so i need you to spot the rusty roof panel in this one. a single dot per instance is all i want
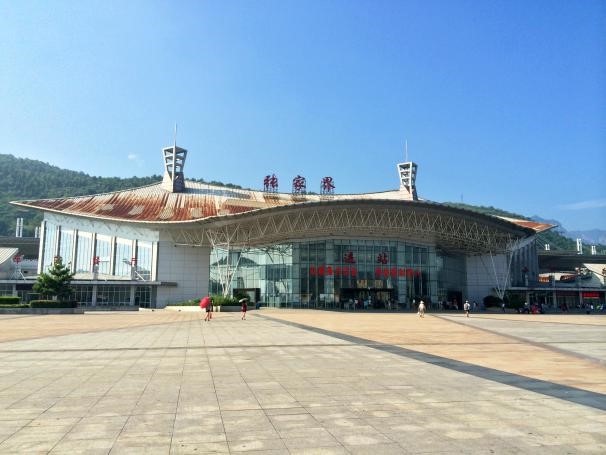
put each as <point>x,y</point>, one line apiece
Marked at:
<point>198,201</point>
<point>537,227</point>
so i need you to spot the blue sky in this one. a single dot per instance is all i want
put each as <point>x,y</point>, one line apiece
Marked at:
<point>503,103</point>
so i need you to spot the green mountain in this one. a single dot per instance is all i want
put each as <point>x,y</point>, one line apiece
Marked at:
<point>556,241</point>
<point>23,178</point>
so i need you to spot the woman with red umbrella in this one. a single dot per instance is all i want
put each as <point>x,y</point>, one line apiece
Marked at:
<point>206,303</point>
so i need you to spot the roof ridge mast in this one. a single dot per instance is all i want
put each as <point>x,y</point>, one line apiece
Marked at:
<point>407,172</point>
<point>174,161</point>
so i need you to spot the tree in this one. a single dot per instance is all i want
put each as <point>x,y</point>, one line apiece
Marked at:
<point>55,282</point>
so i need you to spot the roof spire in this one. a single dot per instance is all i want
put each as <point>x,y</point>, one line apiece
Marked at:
<point>407,171</point>
<point>174,160</point>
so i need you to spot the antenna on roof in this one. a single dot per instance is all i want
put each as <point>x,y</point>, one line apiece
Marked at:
<point>175,136</point>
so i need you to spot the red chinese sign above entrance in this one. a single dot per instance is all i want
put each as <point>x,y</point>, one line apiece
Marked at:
<point>384,272</point>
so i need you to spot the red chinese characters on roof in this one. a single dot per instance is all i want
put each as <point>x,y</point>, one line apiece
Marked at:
<point>299,185</point>
<point>327,186</point>
<point>270,183</point>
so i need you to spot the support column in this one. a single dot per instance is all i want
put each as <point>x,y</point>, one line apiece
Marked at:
<point>554,299</point>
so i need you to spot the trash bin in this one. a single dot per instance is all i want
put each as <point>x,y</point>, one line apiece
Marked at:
<point>257,305</point>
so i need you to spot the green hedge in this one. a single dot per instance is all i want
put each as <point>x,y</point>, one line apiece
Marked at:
<point>193,302</point>
<point>9,300</point>
<point>227,301</point>
<point>53,304</point>
<point>492,300</point>
<point>17,305</point>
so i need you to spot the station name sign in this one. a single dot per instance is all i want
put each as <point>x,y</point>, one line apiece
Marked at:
<point>380,272</point>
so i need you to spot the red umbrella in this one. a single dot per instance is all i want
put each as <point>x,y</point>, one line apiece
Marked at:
<point>204,302</point>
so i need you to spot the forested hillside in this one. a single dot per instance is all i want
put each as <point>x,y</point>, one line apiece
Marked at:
<point>555,240</point>
<point>22,178</point>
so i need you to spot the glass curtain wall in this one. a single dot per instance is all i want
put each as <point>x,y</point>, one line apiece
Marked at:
<point>103,252</point>
<point>339,274</point>
<point>50,244</point>
<point>66,245</point>
<point>144,260</point>
<point>123,257</point>
<point>84,256</point>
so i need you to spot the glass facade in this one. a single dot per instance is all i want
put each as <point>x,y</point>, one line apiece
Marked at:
<point>113,295</point>
<point>345,273</point>
<point>103,252</point>
<point>115,254</point>
<point>50,244</point>
<point>84,256</point>
<point>123,256</point>
<point>144,260</point>
<point>66,245</point>
<point>6,289</point>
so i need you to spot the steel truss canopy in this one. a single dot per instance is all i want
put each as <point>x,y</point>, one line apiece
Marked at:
<point>452,230</point>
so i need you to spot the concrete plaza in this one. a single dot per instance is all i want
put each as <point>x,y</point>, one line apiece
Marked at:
<point>302,382</point>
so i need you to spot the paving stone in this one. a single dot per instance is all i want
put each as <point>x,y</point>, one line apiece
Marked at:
<point>302,382</point>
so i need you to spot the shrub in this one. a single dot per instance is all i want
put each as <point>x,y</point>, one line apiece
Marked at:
<point>9,300</point>
<point>193,302</point>
<point>514,301</point>
<point>16,305</point>
<point>491,300</point>
<point>53,304</point>
<point>227,301</point>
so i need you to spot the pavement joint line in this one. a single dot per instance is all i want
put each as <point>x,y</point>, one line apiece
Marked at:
<point>486,316</point>
<point>232,346</point>
<point>567,393</point>
<point>538,344</point>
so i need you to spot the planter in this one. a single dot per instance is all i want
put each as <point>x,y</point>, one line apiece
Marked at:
<point>112,308</point>
<point>41,310</point>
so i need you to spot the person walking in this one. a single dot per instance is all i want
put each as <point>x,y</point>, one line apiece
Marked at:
<point>204,302</point>
<point>421,309</point>
<point>503,307</point>
<point>244,308</point>
<point>466,308</point>
<point>209,309</point>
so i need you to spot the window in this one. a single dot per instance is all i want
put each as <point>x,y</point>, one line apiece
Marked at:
<point>103,252</point>
<point>123,256</point>
<point>83,254</point>
<point>66,243</point>
<point>49,245</point>
<point>144,260</point>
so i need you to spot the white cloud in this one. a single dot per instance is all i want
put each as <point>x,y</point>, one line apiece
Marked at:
<point>593,204</point>
<point>132,156</point>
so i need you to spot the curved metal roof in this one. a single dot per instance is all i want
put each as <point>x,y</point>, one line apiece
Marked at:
<point>251,217</point>
<point>153,204</point>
